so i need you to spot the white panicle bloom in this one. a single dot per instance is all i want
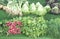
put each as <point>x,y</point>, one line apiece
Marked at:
<point>25,8</point>
<point>26,3</point>
<point>13,7</point>
<point>8,10</point>
<point>41,11</point>
<point>48,8</point>
<point>38,4</point>
<point>55,10</point>
<point>4,7</point>
<point>1,6</point>
<point>32,8</point>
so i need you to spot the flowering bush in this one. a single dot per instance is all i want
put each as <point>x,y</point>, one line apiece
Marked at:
<point>37,8</point>
<point>13,27</point>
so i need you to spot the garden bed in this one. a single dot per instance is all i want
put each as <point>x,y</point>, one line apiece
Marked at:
<point>50,25</point>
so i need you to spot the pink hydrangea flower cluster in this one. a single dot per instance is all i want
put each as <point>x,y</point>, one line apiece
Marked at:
<point>13,29</point>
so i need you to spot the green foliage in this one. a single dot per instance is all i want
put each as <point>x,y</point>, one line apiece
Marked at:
<point>3,2</point>
<point>34,27</point>
<point>41,1</point>
<point>3,28</point>
<point>4,15</point>
<point>54,27</point>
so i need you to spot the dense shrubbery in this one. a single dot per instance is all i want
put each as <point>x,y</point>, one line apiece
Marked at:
<point>54,27</point>
<point>31,27</point>
<point>3,2</point>
<point>34,27</point>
